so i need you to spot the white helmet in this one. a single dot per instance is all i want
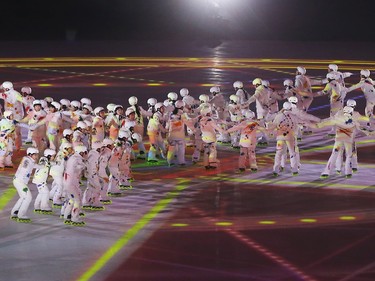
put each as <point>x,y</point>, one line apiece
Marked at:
<point>348,110</point>
<point>37,102</point>
<point>80,148</point>
<point>7,85</point>
<point>67,132</point>
<point>287,105</point>
<point>44,103</point>
<point>75,103</point>
<point>106,142</point>
<point>266,83</point>
<point>204,98</point>
<point>98,109</point>
<point>351,103</point>
<point>331,76</point>
<point>81,125</point>
<point>234,98</point>
<point>48,99</point>
<point>215,90</point>
<point>206,110</point>
<point>85,101</point>
<point>249,114</point>
<point>124,134</point>
<point>166,103</point>
<point>110,107</point>
<point>365,73</point>
<point>288,83</point>
<point>151,102</point>
<point>133,100</point>
<point>129,111</point>
<point>333,67</point>
<point>56,105</point>
<point>117,106</point>
<point>172,96</point>
<point>189,100</point>
<point>32,150</point>
<point>158,106</point>
<point>7,113</point>
<point>238,85</point>
<point>49,152</point>
<point>66,145</point>
<point>96,145</point>
<point>184,92</point>
<point>179,104</point>
<point>88,123</point>
<point>257,81</point>
<point>26,90</point>
<point>88,107</point>
<point>65,102</point>
<point>301,70</point>
<point>137,137</point>
<point>293,99</point>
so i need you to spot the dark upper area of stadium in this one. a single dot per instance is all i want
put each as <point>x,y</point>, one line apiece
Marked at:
<point>286,20</point>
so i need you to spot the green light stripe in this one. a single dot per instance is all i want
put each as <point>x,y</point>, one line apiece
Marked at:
<point>139,225</point>
<point>7,196</point>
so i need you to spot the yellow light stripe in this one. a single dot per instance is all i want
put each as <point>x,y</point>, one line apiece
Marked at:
<point>357,63</point>
<point>347,218</point>
<point>7,196</point>
<point>179,224</point>
<point>45,85</point>
<point>99,84</point>
<point>266,222</point>
<point>133,231</point>
<point>308,220</point>
<point>223,223</point>
<point>154,84</point>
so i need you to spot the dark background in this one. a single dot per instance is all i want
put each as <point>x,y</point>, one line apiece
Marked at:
<point>286,20</point>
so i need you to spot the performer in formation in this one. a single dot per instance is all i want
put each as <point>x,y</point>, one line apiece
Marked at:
<point>76,142</point>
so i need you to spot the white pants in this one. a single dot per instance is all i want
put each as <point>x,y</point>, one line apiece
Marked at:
<point>114,178</point>
<point>210,155</point>
<point>72,204</point>
<point>198,148</point>
<point>42,200</point>
<point>57,190</point>
<point>91,196</point>
<point>335,153</point>
<point>369,111</point>
<point>7,153</point>
<point>340,157</point>
<point>176,147</point>
<point>290,143</point>
<point>24,201</point>
<point>104,188</point>
<point>247,154</point>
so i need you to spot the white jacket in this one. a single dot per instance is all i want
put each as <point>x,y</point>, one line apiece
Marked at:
<point>25,169</point>
<point>73,170</point>
<point>41,174</point>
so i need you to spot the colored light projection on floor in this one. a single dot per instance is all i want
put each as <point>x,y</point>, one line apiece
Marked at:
<point>132,232</point>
